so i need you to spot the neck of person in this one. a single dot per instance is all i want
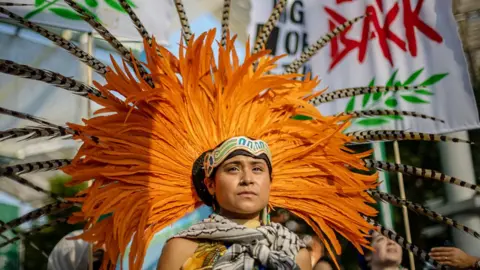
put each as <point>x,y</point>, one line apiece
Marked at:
<point>392,266</point>
<point>247,220</point>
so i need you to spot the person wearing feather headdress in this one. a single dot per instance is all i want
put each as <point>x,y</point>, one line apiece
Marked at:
<point>194,130</point>
<point>235,180</point>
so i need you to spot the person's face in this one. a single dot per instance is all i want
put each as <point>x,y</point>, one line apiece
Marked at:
<point>241,185</point>
<point>387,252</point>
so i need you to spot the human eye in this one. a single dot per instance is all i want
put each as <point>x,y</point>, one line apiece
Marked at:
<point>380,239</point>
<point>232,169</point>
<point>258,169</point>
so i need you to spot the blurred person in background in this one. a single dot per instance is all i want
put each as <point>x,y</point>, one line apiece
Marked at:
<point>455,257</point>
<point>387,254</point>
<point>72,254</point>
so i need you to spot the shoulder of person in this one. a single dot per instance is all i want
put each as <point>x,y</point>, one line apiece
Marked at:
<point>303,259</point>
<point>323,265</point>
<point>176,252</point>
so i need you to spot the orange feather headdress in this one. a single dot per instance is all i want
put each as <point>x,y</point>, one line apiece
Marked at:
<point>142,164</point>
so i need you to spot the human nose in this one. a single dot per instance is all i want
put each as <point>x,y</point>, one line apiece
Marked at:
<point>247,177</point>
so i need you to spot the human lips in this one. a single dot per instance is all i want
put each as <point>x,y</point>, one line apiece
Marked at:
<point>247,193</point>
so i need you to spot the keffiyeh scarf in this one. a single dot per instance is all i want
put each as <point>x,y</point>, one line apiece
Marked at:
<point>272,246</point>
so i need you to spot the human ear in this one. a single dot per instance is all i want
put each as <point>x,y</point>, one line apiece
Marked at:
<point>210,184</point>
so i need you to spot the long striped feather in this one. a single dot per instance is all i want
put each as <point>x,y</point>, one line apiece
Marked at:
<point>34,231</point>
<point>30,167</point>
<point>9,4</point>
<point>313,49</point>
<point>421,172</point>
<point>31,185</point>
<point>83,56</point>
<point>50,77</point>
<point>400,135</point>
<point>112,40</point>
<point>33,133</point>
<point>48,209</point>
<point>26,116</point>
<point>267,28</point>
<point>356,91</point>
<point>182,15</point>
<point>21,236</point>
<point>365,113</point>
<point>432,215</point>
<point>136,21</point>
<point>404,243</point>
<point>225,20</point>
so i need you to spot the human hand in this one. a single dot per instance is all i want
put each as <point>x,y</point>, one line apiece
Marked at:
<point>452,256</point>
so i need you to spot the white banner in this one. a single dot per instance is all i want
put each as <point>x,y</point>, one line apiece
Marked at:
<point>156,16</point>
<point>402,42</point>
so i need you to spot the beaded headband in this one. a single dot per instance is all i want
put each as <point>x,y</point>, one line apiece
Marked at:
<point>218,155</point>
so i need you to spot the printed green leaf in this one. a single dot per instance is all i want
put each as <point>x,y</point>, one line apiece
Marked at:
<point>373,121</point>
<point>131,3</point>
<point>398,83</point>
<point>66,13</point>
<point>301,117</point>
<point>351,104</point>
<point>39,9</point>
<point>92,3</point>
<point>434,79</point>
<point>39,2</point>
<point>115,5</point>
<point>395,117</point>
<point>366,99</point>
<point>392,78</point>
<point>89,12</point>
<point>413,77</point>
<point>413,99</point>
<point>377,96</point>
<point>391,102</point>
<point>423,92</point>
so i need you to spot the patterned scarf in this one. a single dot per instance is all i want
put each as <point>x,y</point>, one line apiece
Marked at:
<point>273,246</point>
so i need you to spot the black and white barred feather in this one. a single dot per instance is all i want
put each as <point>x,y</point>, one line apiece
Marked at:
<point>73,49</point>
<point>356,91</point>
<point>47,76</point>
<point>367,113</point>
<point>432,215</point>
<point>48,209</point>
<point>421,172</point>
<point>33,231</point>
<point>313,49</point>
<point>400,135</point>
<point>267,28</point>
<point>225,20</point>
<point>31,133</point>
<point>21,236</point>
<point>136,21</point>
<point>30,167</point>
<point>111,39</point>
